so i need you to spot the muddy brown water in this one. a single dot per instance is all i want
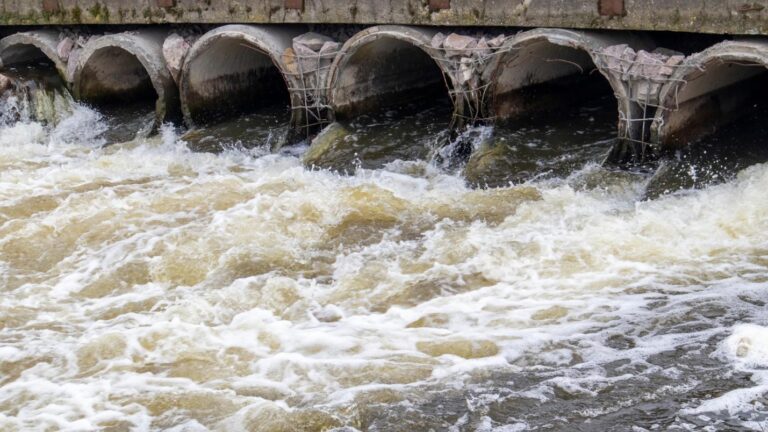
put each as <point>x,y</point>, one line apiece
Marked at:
<point>146,286</point>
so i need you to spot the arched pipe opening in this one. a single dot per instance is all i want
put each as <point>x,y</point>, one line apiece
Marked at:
<point>112,75</point>
<point>32,54</point>
<point>385,67</point>
<point>35,76</point>
<point>711,123</point>
<point>125,76</point>
<point>239,70</point>
<point>545,71</point>
<point>390,95</point>
<point>716,87</point>
<point>556,106</point>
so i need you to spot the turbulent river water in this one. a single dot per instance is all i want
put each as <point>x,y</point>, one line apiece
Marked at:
<point>146,286</point>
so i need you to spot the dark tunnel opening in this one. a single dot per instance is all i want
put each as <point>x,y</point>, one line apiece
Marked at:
<point>27,62</point>
<point>555,113</point>
<point>715,128</point>
<point>235,96</point>
<point>391,101</point>
<point>33,86</point>
<point>116,83</point>
<point>231,78</point>
<point>387,73</point>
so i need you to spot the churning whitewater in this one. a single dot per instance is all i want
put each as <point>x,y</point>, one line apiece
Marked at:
<point>149,287</point>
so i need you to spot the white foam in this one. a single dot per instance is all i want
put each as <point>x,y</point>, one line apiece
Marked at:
<point>747,350</point>
<point>747,346</point>
<point>21,133</point>
<point>315,289</point>
<point>10,354</point>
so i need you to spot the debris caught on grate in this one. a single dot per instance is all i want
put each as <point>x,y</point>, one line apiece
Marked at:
<point>309,61</point>
<point>644,75</point>
<point>467,58</point>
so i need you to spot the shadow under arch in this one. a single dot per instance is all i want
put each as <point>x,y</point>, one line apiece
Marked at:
<point>713,88</point>
<point>127,69</point>
<point>30,47</point>
<point>386,66</point>
<point>550,69</point>
<point>556,105</point>
<point>236,69</point>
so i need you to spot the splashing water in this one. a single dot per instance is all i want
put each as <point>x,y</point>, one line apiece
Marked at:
<point>36,94</point>
<point>147,287</point>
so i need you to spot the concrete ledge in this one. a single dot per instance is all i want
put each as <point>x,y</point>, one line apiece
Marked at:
<point>706,16</point>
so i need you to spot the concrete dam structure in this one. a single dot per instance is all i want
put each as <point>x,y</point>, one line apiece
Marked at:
<point>383,215</point>
<point>334,62</point>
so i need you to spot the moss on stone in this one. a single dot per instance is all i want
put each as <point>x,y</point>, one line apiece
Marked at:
<point>77,14</point>
<point>176,12</point>
<point>95,10</point>
<point>47,16</point>
<point>676,18</point>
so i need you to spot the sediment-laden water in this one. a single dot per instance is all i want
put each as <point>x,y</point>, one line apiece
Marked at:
<point>149,287</point>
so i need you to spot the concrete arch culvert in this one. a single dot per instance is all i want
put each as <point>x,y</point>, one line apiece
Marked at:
<point>386,66</point>
<point>548,69</point>
<point>239,68</point>
<point>128,68</point>
<point>31,46</point>
<point>712,88</point>
<point>556,104</point>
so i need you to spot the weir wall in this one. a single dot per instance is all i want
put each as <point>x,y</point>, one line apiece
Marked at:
<point>496,69</point>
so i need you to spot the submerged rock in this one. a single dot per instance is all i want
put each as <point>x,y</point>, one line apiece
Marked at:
<point>324,143</point>
<point>468,349</point>
<point>490,159</point>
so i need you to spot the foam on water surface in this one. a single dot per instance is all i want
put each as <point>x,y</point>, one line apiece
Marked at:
<point>148,287</point>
